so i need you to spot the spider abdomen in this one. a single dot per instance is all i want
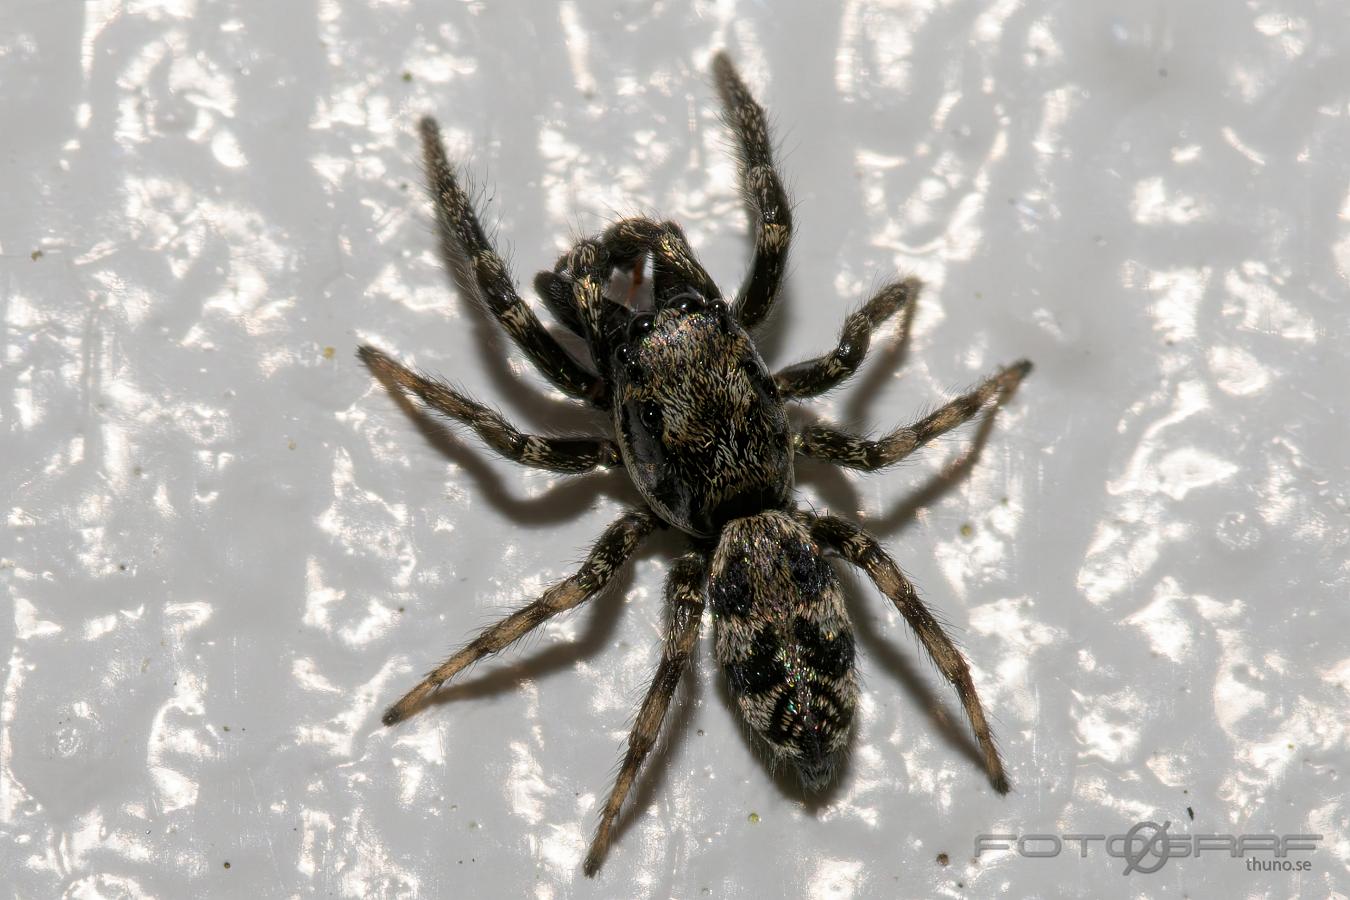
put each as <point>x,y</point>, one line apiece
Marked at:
<point>784,640</point>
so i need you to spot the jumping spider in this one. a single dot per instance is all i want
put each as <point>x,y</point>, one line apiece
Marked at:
<point>701,427</point>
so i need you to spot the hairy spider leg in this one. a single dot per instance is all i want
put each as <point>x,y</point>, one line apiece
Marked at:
<point>766,201</point>
<point>587,267</point>
<point>675,270</point>
<point>556,290</point>
<point>684,609</point>
<point>608,555</point>
<point>813,377</point>
<point>840,447</point>
<point>480,272</point>
<point>588,259</point>
<point>863,551</point>
<point>572,455</point>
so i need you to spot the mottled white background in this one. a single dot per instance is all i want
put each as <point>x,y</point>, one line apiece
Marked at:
<point>224,550</point>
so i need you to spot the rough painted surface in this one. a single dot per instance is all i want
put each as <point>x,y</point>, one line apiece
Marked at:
<point>225,550</point>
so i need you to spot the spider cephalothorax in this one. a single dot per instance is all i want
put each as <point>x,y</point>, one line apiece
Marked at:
<point>701,427</point>
<point>699,422</point>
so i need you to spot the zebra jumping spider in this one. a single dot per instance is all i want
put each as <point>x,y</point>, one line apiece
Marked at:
<point>700,426</point>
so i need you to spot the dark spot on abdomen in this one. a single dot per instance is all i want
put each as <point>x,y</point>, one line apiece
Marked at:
<point>760,671</point>
<point>829,654</point>
<point>810,572</point>
<point>729,590</point>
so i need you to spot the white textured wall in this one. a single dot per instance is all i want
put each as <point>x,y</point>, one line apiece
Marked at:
<point>223,550</point>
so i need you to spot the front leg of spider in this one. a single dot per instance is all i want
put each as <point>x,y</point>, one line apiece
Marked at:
<point>700,426</point>
<point>816,376</point>
<point>767,201</point>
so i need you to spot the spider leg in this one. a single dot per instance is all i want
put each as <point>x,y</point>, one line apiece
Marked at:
<point>482,273</point>
<point>556,454</point>
<point>674,267</point>
<point>556,292</point>
<point>769,207</point>
<point>585,271</point>
<point>861,549</point>
<point>684,606</point>
<point>842,448</point>
<point>816,376</point>
<point>610,552</point>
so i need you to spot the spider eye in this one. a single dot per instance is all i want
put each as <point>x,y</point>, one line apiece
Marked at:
<point>718,308</point>
<point>688,303</point>
<point>640,326</point>
<point>759,377</point>
<point>651,415</point>
<point>626,356</point>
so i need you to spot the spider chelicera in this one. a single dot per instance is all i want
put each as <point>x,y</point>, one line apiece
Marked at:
<point>701,427</point>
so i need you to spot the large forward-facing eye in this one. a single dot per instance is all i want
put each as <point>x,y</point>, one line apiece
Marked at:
<point>650,414</point>
<point>628,359</point>
<point>687,302</point>
<point>640,326</point>
<point>759,377</point>
<point>642,430</point>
